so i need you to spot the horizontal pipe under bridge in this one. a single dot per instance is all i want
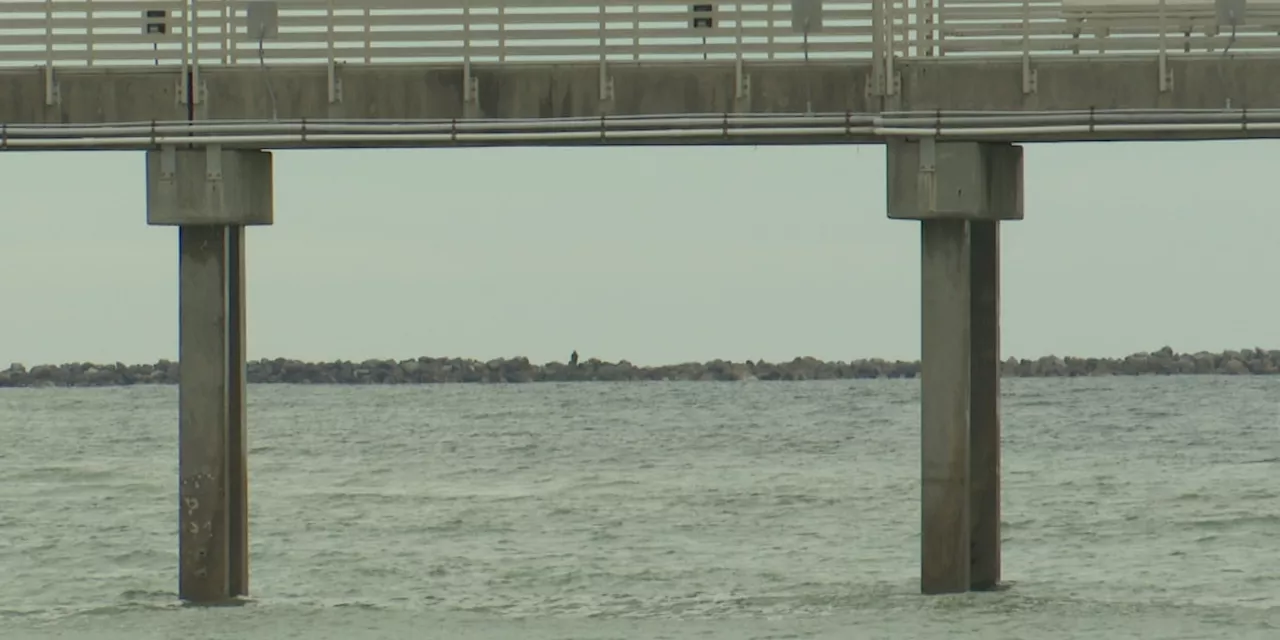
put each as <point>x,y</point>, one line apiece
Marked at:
<point>705,129</point>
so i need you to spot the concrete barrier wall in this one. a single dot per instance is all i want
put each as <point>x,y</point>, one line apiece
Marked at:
<point>573,90</point>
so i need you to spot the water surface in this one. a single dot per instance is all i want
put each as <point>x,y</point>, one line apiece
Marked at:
<point>1134,508</point>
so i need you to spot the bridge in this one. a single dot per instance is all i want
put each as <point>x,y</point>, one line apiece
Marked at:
<point>208,88</point>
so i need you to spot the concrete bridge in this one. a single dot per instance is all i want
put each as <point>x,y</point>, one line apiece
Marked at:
<point>207,88</point>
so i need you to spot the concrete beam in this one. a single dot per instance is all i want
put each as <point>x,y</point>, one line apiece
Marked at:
<point>930,180</point>
<point>1082,83</point>
<point>533,91</point>
<point>92,96</point>
<point>209,186</point>
<point>141,94</point>
<point>211,455</point>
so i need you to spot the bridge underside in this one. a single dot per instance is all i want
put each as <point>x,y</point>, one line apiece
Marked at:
<point>413,92</point>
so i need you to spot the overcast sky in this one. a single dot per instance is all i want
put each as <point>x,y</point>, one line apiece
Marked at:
<point>652,255</point>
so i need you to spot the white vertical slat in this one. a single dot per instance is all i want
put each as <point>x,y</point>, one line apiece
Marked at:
<point>224,33</point>
<point>772,26</point>
<point>89,47</point>
<point>502,31</point>
<point>191,34</point>
<point>368,37</point>
<point>49,87</point>
<point>329,66</point>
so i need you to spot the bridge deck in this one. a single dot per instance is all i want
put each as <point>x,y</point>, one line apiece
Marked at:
<point>562,62</point>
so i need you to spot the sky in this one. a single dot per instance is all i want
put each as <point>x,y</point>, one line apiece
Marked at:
<point>649,255</point>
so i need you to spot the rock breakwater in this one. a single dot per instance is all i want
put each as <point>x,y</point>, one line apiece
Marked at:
<point>520,370</point>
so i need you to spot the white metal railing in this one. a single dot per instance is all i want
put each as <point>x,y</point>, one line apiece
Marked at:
<point>381,31</point>
<point>1044,27</point>
<point>93,32</point>
<point>228,32</point>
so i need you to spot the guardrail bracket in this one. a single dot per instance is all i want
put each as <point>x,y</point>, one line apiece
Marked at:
<point>606,83</point>
<point>884,85</point>
<point>742,90</point>
<point>470,93</point>
<point>335,84</point>
<point>52,92</point>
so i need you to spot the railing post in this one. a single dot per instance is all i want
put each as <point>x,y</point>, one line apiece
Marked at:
<point>193,38</point>
<point>469,92</point>
<point>1028,74</point>
<point>604,64</point>
<point>889,16</point>
<point>50,89</point>
<point>224,27</point>
<point>368,36</point>
<point>1163,58</point>
<point>502,31</point>
<point>902,26</point>
<point>922,9</point>
<point>939,30</point>
<point>773,7</point>
<point>332,71</point>
<point>600,32</point>
<point>739,77</point>
<point>877,47</point>
<point>184,82</point>
<point>232,44</point>
<point>88,35</point>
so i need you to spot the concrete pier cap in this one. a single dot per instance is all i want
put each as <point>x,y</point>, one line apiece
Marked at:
<point>209,186</point>
<point>935,180</point>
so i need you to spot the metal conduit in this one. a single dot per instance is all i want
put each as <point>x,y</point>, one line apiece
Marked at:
<point>655,135</point>
<point>652,128</point>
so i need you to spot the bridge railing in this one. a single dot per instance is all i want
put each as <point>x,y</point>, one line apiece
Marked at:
<point>1099,27</point>
<point>93,32</point>
<point>509,31</point>
<point>57,33</point>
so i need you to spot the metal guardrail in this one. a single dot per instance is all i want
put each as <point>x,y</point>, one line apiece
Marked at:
<point>869,128</point>
<point>92,33</point>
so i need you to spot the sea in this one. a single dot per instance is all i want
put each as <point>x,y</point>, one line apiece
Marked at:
<point>1134,507</point>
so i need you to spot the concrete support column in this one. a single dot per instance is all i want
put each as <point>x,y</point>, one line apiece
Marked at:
<point>984,405</point>
<point>237,418</point>
<point>211,195</point>
<point>944,410</point>
<point>959,191</point>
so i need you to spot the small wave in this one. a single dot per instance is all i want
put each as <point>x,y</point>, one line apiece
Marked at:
<point>1016,525</point>
<point>66,473</point>
<point>141,557</point>
<point>358,497</point>
<point>143,594</point>
<point>1039,402</point>
<point>133,600</point>
<point>20,613</point>
<point>364,606</point>
<point>1238,521</point>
